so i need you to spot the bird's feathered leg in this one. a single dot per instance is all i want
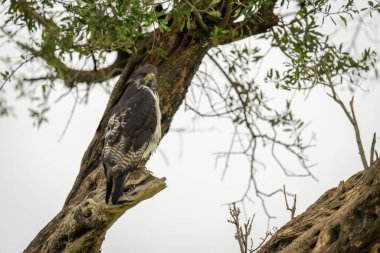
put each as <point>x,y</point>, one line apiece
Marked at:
<point>117,174</point>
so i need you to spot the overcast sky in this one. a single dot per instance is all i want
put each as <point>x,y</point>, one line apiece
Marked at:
<point>190,215</point>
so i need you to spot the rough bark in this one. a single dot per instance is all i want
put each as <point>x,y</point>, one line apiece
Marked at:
<point>344,219</point>
<point>82,227</point>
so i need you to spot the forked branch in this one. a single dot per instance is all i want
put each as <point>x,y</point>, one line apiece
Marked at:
<point>243,232</point>
<point>292,209</point>
<point>352,118</point>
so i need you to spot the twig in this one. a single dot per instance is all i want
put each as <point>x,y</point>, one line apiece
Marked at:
<point>164,156</point>
<point>372,154</point>
<point>35,79</point>
<point>245,112</point>
<point>71,115</point>
<point>198,17</point>
<point>62,96</point>
<point>242,232</point>
<point>14,71</point>
<point>293,208</point>
<point>357,134</point>
<point>94,61</point>
<point>227,14</point>
<point>263,240</point>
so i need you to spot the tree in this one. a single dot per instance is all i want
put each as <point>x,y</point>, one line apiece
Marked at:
<point>175,36</point>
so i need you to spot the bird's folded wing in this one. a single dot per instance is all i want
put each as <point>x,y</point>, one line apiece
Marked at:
<point>130,127</point>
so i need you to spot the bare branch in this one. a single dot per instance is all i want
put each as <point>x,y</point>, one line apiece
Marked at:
<point>357,134</point>
<point>249,117</point>
<point>293,208</point>
<point>94,61</point>
<point>40,78</point>
<point>8,78</point>
<point>71,114</point>
<point>372,153</point>
<point>351,116</point>
<point>242,232</point>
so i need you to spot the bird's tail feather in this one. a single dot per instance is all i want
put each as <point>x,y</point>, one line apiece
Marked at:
<point>109,187</point>
<point>118,186</point>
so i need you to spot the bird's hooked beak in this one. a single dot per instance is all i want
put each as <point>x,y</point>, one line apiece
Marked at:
<point>149,76</point>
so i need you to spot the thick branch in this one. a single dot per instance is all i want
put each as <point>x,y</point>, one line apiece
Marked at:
<point>344,219</point>
<point>227,14</point>
<point>79,229</point>
<point>72,76</point>
<point>258,24</point>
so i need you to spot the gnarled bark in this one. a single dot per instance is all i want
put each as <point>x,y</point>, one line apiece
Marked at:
<point>82,227</point>
<point>344,219</point>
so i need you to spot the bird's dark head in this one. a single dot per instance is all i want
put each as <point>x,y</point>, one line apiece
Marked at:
<point>147,75</point>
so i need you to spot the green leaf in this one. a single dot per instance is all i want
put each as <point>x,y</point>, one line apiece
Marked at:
<point>344,20</point>
<point>214,2</point>
<point>160,51</point>
<point>163,24</point>
<point>214,13</point>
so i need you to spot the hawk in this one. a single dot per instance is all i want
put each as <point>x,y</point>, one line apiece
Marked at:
<point>133,130</point>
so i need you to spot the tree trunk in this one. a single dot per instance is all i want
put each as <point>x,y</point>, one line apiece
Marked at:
<point>85,218</point>
<point>344,219</point>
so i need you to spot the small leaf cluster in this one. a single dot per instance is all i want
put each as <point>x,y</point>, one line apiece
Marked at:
<point>311,55</point>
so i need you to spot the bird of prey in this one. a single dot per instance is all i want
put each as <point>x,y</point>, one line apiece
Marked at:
<point>133,130</point>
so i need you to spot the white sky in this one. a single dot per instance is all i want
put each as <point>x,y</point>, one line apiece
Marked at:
<point>37,172</point>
